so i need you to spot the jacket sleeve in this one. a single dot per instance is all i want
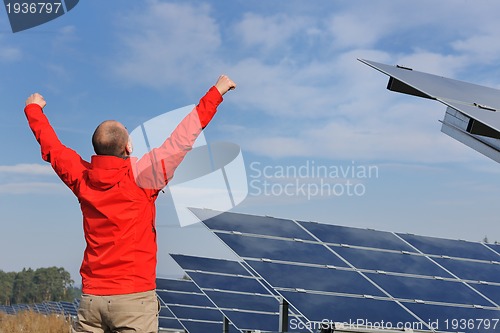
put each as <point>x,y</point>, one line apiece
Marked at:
<point>68,165</point>
<point>155,169</point>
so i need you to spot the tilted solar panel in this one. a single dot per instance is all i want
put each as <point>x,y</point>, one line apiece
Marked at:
<point>451,248</point>
<point>328,233</point>
<point>395,262</point>
<point>185,307</point>
<point>239,295</point>
<point>472,270</point>
<point>471,115</point>
<point>357,276</point>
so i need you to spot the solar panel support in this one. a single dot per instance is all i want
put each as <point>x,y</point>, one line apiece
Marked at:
<point>283,324</point>
<point>225,325</point>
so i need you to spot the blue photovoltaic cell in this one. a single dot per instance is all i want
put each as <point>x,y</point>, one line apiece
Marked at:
<point>452,248</point>
<point>181,298</point>
<point>184,312</point>
<point>254,321</point>
<point>390,261</point>
<point>315,278</point>
<point>457,319</point>
<point>428,289</point>
<point>186,305</point>
<point>69,308</point>
<point>226,300</point>
<point>169,323</point>
<point>317,307</point>
<point>356,237</point>
<point>276,249</point>
<point>231,283</point>
<point>165,312</point>
<point>470,270</point>
<point>176,285</point>
<point>490,291</point>
<point>260,225</point>
<point>496,248</point>
<point>234,292</point>
<point>210,265</point>
<point>202,327</point>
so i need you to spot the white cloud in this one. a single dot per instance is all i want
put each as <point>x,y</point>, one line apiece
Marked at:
<point>479,48</point>
<point>9,53</point>
<point>28,169</point>
<point>168,44</point>
<point>350,30</point>
<point>270,32</point>
<point>25,179</point>
<point>32,188</point>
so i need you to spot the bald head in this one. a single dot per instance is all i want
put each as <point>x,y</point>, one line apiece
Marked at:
<point>110,138</point>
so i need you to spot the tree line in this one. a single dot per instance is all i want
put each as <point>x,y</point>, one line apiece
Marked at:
<point>36,286</point>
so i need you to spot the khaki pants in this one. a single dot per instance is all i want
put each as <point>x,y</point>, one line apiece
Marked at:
<point>118,314</point>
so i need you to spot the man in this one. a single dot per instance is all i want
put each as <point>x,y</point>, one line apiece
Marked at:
<point>117,196</point>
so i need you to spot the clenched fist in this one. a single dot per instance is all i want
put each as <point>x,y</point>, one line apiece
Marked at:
<point>224,84</point>
<point>36,98</point>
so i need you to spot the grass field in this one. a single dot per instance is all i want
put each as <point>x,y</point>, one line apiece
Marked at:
<point>31,322</point>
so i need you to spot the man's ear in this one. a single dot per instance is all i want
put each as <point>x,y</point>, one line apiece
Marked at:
<point>129,148</point>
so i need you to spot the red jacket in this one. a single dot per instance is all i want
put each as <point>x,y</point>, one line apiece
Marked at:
<point>118,214</point>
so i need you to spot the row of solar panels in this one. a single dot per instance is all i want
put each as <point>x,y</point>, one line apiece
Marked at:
<point>46,308</point>
<point>353,278</point>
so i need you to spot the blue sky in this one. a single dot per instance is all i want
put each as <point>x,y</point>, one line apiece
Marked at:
<point>302,99</point>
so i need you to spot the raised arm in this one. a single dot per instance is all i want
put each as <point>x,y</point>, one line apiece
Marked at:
<point>68,165</point>
<point>155,169</point>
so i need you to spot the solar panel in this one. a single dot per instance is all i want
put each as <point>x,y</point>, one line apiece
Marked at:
<point>470,116</point>
<point>280,249</point>
<point>261,225</point>
<point>428,289</point>
<point>69,308</point>
<point>354,312</point>
<point>169,324</point>
<point>494,247</point>
<point>46,308</point>
<point>469,98</point>
<point>185,307</point>
<point>471,270</point>
<point>396,262</point>
<point>348,275</point>
<point>456,319</point>
<point>318,279</point>
<point>491,291</point>
<point>239,295</point>
<point>357,237</point>
<point>450,247</point>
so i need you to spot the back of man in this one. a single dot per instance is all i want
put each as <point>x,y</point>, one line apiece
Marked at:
<point>117,196</point>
